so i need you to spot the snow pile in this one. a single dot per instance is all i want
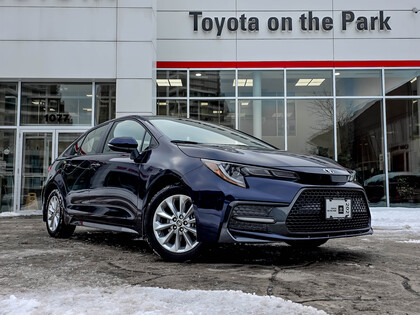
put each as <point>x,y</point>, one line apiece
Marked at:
<point>410,241</point>
<point>20,213</point>
<point>396,219</point>
<point>142,300</point>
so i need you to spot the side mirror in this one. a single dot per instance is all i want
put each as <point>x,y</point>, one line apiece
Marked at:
<point>123,144</point>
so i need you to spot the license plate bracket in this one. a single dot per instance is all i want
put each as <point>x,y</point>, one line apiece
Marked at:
<point>337,208</point>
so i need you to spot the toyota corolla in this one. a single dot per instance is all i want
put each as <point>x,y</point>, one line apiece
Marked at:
<point>182,183</point>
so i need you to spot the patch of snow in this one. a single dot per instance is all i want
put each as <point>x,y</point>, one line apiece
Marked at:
<point>396,219</point>
<point>410,241</point>
<point>143,300</point>
<point>20,213</point>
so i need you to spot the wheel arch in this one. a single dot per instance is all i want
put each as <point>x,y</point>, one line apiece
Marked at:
<point>47,191</point>
<point>169,179</point>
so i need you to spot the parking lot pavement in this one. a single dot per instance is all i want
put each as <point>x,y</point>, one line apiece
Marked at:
<point>378,274</point>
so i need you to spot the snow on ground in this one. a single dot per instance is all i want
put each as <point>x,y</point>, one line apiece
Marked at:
<point>396,219</point>
<point>142,300</point>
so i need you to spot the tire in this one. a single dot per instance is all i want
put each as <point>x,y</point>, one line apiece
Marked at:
<point>308,244</point>
<point>56,226</point>
<point>170,225</point>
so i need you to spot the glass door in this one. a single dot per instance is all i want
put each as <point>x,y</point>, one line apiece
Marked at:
<point>39,149</point>
<point>37,155</point>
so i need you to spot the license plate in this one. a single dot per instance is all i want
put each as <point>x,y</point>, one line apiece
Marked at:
<point>337,209</point>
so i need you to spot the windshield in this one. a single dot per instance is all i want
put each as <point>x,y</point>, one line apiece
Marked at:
<point>190,131</point>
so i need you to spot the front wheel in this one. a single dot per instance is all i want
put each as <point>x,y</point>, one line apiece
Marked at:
<point>170,225</point>
<point>306,243</point>
<point>56,226</point>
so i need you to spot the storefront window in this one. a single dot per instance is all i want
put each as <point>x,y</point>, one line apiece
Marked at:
<point>309,83</point>
<point>260,83</point>
<point>171,83</point>
<point>212,83</point>
<point>56,104</point>
<point>358,82</point>
<point>263,119</point>
<point>8,104</point>
<point>105,102</point>
<point>403,138</point>
<point>360,144</point>
<point>7,169</point>
<point>311,124</point>
<point>176,108</point>
<point>402,82</point>
<point>220,112</point>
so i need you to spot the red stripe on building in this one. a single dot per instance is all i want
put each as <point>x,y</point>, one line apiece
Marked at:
<point>289,64</point>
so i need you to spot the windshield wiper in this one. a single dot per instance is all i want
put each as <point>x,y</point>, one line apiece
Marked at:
<point>185,142</point>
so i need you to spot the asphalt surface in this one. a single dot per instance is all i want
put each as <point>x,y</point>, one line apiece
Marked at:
<point>378,274</point>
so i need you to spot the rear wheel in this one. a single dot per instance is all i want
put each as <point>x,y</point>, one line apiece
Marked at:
<point>171,225</point>
<point>306,243</point>
<point>56,226</point>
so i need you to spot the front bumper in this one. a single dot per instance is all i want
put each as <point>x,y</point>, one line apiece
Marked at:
<point>303,218</point>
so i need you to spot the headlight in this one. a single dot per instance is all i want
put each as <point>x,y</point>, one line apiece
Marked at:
<point>236,173</point>
<point>352,176</point>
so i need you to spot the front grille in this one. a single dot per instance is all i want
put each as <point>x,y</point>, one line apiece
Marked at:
<point>255,211</point>
<point>308,213</point>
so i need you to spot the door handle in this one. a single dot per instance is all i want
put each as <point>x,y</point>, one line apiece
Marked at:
<point>95,165</point>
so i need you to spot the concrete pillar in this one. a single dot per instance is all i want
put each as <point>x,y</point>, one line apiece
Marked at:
<point>136,57</point>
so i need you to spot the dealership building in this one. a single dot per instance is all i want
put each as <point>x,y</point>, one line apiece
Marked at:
<point>337,79</point>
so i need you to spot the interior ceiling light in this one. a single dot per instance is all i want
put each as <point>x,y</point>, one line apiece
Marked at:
<point>244,82</point>
<point>204,103</point>
<point>337,73</point>
<point>303,82</point>
<point>217,111</point>
<point>175,82</point>
<point>198,74</point>
<point>162,82</point>
<point>89,95</point>
<point>170,82</point>
<point>309,82</point>
<point>244,103</point>
<point>414,80</point>
<point>316,82</point>
<point>162,103</point>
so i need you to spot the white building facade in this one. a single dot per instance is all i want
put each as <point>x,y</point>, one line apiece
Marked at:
<point>329,78</point>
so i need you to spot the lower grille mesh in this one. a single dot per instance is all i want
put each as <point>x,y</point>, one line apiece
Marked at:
<point>256,211</point>
<point>308,212</point>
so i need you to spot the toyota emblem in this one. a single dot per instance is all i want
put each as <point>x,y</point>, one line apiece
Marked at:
<point>329,171</point>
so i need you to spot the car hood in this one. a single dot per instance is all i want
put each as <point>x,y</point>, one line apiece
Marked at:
<point>266,158</point>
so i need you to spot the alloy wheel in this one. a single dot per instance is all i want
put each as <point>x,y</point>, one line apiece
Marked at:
<point>54,213</point>
<point>174,224</point>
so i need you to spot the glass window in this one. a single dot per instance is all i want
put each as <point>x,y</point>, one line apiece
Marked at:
<point>171,83</point>
<point>358,82</point>
<point>402,82</point>
<point>204,133</point>
<point>74,148</point>
<point>105,102</point>
<point>221,112</point>
<point>309,83</point>
<point>93,141</point>
<point>212,83</point>
<point>176,108</point>
<point>311,125</point>
<point>403,138</point>
<point>8,104</point>
<point>360,144</point>
<point>56,104</point>
<point>36,158</point>
<point>260,83</point>
<point>65,139</point>
<point>263,119</point>
<point>7,169</point>
<point>126,128</point>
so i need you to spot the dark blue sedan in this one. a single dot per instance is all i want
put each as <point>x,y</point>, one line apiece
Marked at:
<point>182,183</point>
